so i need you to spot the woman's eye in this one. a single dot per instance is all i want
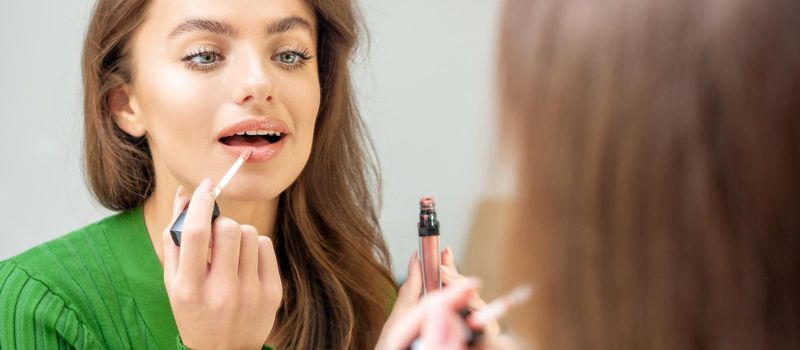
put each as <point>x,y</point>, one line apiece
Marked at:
<point>288,57</point>
<point>292,59</point>
<point>204,58</point>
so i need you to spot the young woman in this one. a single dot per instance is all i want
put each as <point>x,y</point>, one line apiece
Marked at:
<point>174,91</point>
<point>659,177</point>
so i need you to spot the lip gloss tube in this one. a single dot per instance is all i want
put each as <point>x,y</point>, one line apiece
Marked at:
<point>430,258</point>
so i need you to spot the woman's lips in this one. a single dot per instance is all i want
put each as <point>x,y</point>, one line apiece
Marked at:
<point>262,151</point>
<point>264,124</point>
<point>255,134</point>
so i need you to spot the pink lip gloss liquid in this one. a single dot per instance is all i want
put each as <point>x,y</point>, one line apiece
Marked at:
<point>428,228</point>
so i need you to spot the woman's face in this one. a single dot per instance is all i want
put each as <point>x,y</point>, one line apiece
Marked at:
<point>207,70</point>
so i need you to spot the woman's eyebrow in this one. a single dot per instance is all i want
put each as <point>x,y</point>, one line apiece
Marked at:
<point>203,24</point>
<point>224,28</point>
<point>289,23</point>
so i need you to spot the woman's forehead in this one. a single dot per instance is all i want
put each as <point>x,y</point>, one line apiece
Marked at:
<point>235,15</point>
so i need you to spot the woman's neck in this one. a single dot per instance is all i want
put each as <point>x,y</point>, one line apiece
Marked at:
<point>158,213</point>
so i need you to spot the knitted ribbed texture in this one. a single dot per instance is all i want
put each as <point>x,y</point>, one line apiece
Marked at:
<point>100,287</point>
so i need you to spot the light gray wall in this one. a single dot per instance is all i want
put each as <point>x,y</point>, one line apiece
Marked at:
<point>425,87</point>
<point>427,94</point>
<point>42,194</point>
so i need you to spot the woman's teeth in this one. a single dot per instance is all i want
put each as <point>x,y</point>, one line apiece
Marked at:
<point>255,138</point>
<point>259,133</point>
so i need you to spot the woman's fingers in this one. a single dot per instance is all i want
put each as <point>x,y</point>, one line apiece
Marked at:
<point>196,234</point>
<point>450,275</point>
<point>452,298</point>
<point>268,271</point>
<point>449,272</point>
<point>407,299</point>
<point>225,250</point>
<point>448,259</point>
<point>248,254</point>
<point>443,329</point>
<point>411,290</point>
<point>179,203</point>
<point>170,251</point>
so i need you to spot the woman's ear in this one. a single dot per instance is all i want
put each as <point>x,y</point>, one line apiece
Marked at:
<point>126,111</point>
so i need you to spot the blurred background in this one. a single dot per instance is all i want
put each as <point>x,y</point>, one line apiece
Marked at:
<point>425,82</point>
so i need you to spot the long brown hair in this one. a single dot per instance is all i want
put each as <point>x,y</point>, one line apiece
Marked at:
<point>659,175</point>
<point>332,257</point>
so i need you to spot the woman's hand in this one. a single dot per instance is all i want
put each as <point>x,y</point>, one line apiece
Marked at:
<point>407,299</point>
<point>435,320</point>
<point>232,301</point>
<point>408,302</point>
<point>450,275</point>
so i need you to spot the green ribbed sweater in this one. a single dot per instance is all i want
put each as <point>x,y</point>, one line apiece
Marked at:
<point>100,287</point>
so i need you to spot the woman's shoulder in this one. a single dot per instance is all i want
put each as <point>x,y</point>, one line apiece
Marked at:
<point>68,260</point>
<point>67,254</point>
<point>35,316</point>
<point>75,264</point>
<point>81,261</point>
<point>38,294</point>
<point>55,288</point>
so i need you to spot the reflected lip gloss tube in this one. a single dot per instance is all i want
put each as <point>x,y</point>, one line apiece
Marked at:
<point>430,258</point>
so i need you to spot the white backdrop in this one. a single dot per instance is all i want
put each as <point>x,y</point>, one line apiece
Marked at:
<point>425,83</point>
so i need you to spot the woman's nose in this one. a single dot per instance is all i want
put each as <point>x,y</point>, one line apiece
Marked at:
<point>255,83</point>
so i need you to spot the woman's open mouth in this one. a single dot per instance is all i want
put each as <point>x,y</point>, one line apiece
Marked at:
<point>265,137</point>
<point>253,138</point>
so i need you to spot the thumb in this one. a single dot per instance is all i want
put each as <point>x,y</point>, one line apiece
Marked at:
<point>411,291</point>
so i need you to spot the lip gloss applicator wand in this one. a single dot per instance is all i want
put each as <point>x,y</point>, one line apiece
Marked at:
<point>177,227</point>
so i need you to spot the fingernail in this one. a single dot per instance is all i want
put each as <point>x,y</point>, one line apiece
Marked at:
<point>448,250</point>
<point>205,185</point>
<point>179,192</point>
<point>412,260</point>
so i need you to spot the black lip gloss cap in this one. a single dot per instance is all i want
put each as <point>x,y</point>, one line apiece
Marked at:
<point>177,227</point>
